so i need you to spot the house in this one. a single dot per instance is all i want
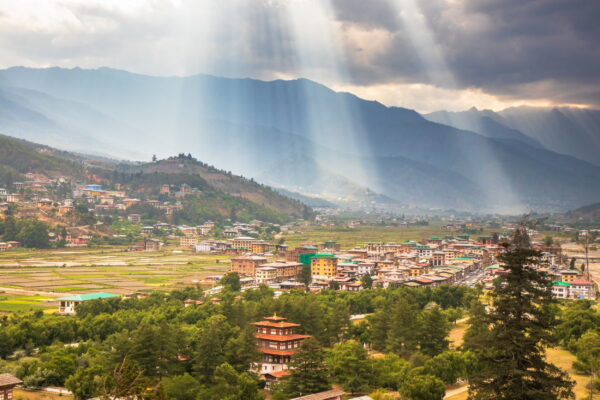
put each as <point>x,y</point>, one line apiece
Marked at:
<point>188,242</point>
<point>560,290</point>
<point>7,384</point>
<point>285,269</point>
<point>147,245</point>
<point>334,394</point>
<point>246,265</point>
<point>568,275</point>
<point>68,304</point>
<point>323,264</point>
<point>190,302</point>
<point>130,202</point>
<point>265,274</point>
<point>582,289</point>
<point>13,198</point>
<point>203,247</point>
<point>260,247</point>
<point>135,218</point>
<point>4,246</point>
<point>329,245</point>
<point>295,254</point>
<point>243,242</point>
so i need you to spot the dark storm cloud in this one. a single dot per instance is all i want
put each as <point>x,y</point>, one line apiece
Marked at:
<point>370,14</point>
<point>513,48</point>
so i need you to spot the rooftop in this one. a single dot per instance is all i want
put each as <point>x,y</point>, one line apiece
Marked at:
<point>88,296</point>
<point>329,394</point>
<point>9,380</point>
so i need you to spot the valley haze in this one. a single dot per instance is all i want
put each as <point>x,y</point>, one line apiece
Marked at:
<point>303,137</point>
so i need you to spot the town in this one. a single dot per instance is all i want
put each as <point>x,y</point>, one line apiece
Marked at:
<point>57,232</point>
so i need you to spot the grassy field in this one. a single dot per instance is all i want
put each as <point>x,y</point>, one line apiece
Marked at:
<point>558,356</point>
<point>351,237</point>
<point>32,279</point>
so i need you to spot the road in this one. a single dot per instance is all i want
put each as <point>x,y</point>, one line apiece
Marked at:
<point>454,392</point>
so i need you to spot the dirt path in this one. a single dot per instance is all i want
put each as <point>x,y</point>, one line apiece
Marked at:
<point>457,391</point>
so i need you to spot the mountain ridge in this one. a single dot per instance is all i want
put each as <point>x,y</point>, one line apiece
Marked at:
<point>252,127</point>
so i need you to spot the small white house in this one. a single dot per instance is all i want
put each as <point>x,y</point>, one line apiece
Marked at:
<point>67,304</point>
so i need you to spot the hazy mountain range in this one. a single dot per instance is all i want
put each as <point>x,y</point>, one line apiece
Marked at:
<point>570,131</point>
<point>303,137</point>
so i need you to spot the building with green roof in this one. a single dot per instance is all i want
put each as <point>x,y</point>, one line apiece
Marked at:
<point>68,304</point>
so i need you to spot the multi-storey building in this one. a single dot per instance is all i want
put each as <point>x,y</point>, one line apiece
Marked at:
<point>323,264</point>
<point>285,269</point>
<point>277,342</point>
<point>246,265</point>
<point>265,274</point>
<point>188,241</point>
<point>243,242</point>
<point>260,247</point>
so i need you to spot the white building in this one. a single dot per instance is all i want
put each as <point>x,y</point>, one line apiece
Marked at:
<point>68,304</point>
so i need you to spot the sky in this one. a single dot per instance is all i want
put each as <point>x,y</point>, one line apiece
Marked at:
<point>425,55</point>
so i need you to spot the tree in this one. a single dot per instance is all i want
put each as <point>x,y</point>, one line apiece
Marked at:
<point>521,321</point>
<point>181,387</point>
<point>572,263</point>
<point>433,331</point>
<point>389,371</point>
<point>401,331</point>
<point>449,367</point>
<point>308,372</point>
<point>334,285</point>
<point>82,383</point>
<point>588,356</point>
<point>126,381</point>
<point>423,387</point>
<point>10,229</point>
<point>33,234</point>
<point>232,281</point>
<point>154,158</point>
<point>367,281</point>
<point>210,346</point>
<point>306,276</point>
<point>477,335</point>
<point>548,240</point>
<point>349,367</point>
<point>231,385</point>
<point>453,314</point>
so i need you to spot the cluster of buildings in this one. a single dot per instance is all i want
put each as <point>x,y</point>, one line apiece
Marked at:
<point>431,262</point>
<point>566,283</point>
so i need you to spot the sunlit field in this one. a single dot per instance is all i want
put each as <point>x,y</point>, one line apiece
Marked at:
<point>558,356</point>
<point>351,237</point>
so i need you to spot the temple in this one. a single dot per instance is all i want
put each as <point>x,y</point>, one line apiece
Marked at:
<point>277,342</point>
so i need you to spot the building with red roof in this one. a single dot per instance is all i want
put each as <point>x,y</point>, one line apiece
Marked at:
<point>277,342</point>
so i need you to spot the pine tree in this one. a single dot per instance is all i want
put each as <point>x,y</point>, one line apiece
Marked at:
<point>521,322</point>
<point>306,276</point>
<point>402,330</point>
<point>434,329</point>
<point>308,372</point>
